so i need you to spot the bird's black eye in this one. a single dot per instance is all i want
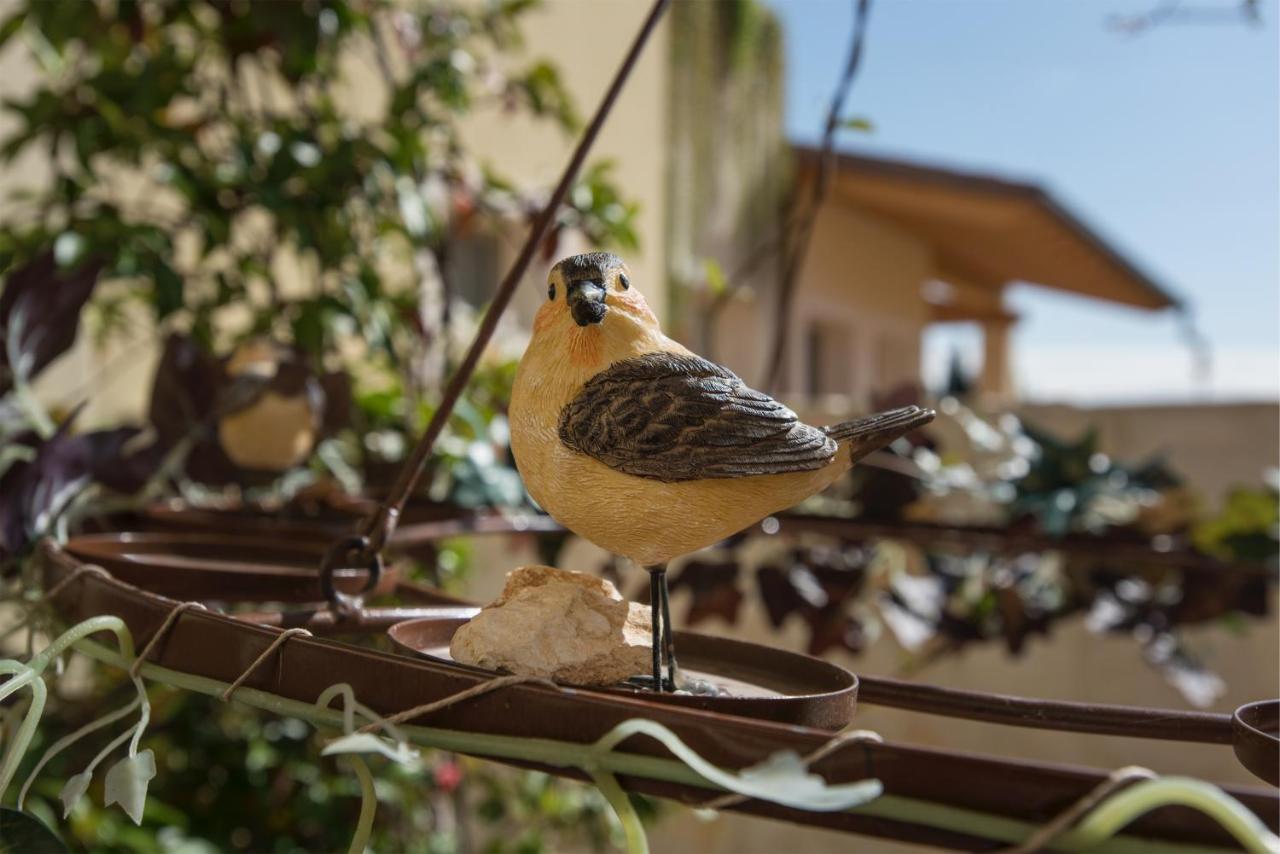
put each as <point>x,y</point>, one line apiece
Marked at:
<point>624,281</point>
<point>551,291</point>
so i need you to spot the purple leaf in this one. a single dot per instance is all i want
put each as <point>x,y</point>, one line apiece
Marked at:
<point>36,491</point>
<point>40,315</point>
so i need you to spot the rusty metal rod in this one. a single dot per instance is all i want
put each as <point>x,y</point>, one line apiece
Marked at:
<point>381,525</point>
<point>1035,713</point>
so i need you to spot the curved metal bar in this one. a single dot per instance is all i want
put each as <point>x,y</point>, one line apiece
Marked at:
<point>1061,715</point>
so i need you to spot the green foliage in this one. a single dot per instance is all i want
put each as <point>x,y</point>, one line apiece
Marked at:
<point>858,123</point>
<point>1066,479</point>
<point>232,778</point>
<point>227,167</point>
<point>198,146</point>
<point>22,833</point>
<point>1248,527</point>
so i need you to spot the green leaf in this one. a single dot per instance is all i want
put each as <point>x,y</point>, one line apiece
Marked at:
<point>858,123</point>
<point>168,291</point>
<point>10,27</point>
<point>716,282</point>
<point>22,833</point>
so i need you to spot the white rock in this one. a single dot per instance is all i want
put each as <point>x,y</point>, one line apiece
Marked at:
<point>566,626</point>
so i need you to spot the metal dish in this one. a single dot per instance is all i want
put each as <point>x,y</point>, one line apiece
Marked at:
<point>1257,738</point>
<point>766,683</point>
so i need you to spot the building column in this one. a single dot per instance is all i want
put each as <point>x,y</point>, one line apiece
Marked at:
<point>995,383</point>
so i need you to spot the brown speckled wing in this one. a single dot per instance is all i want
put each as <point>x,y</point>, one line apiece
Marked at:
<point>675,418</point>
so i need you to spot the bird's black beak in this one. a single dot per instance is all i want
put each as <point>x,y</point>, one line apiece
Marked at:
<point>586,301</point>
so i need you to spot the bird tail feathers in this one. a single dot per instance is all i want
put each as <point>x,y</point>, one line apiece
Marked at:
<point>872,432</point>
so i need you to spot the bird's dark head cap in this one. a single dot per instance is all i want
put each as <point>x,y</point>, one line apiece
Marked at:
<point>588,265</point>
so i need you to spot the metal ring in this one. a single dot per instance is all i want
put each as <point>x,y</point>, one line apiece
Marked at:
<point>341,555</point>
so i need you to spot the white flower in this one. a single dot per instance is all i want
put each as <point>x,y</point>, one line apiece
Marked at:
<point>363,742</point>
<point>74,790</point>
<point>127,783</point>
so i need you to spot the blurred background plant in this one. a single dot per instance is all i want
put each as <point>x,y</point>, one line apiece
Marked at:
<point>985,529</point>
<point>209,159</point>
<point>273,792</point>
<point>300,252</point>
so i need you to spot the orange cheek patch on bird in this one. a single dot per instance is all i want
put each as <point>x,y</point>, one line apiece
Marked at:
<point>634,304</point>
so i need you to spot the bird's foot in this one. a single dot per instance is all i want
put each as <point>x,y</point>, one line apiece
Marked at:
<point>687,685</point>
<point>646,682</point>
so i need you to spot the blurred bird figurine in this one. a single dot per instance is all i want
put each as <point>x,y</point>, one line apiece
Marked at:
<point>649,451</point>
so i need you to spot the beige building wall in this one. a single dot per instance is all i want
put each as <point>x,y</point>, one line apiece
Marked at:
<point>586,40</point>
<point>860,284</point>
<point>859,292</point>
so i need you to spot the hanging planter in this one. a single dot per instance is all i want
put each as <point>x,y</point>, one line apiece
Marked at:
<point>209,648</point>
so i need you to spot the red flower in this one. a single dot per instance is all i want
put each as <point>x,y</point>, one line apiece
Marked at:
<point>447,775</point>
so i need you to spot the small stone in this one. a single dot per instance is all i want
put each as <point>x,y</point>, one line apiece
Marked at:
<point>569,627</point>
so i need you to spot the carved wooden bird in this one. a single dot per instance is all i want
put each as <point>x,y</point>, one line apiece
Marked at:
<point>648,450</point>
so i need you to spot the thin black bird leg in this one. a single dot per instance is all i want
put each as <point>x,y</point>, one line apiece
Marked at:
<point>657,584</point>
<point>668,645</point>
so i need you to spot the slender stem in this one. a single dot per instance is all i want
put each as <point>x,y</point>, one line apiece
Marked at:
<point>632,827</point>
<point>18,682</point>
<point>798,244</point>
<point>383,522</point>
<point>79,632</point>
<point>22,738</point>
<point>67,740</point>
<point>1122,808</point>
<point>368,805</point>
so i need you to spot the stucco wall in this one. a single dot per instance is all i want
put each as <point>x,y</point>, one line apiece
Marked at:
<point>587,40</point>
<point>862,275</point>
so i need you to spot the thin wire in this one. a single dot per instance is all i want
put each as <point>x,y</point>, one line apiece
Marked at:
<point>383,522</point>
<point>86,569</point>
<point>257,662</point>
<point>1118,779</point>
<point>454,699</point>
<point>53,591</point>
<point>136,667</point>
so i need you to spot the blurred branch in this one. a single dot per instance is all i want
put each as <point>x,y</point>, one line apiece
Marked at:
<point>1174,12</point>
<point>797,239</point>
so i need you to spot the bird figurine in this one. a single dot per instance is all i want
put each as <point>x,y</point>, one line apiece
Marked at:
<point>632,441</point>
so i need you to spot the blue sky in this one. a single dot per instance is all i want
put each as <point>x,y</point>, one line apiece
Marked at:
<point>1165,142</point>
